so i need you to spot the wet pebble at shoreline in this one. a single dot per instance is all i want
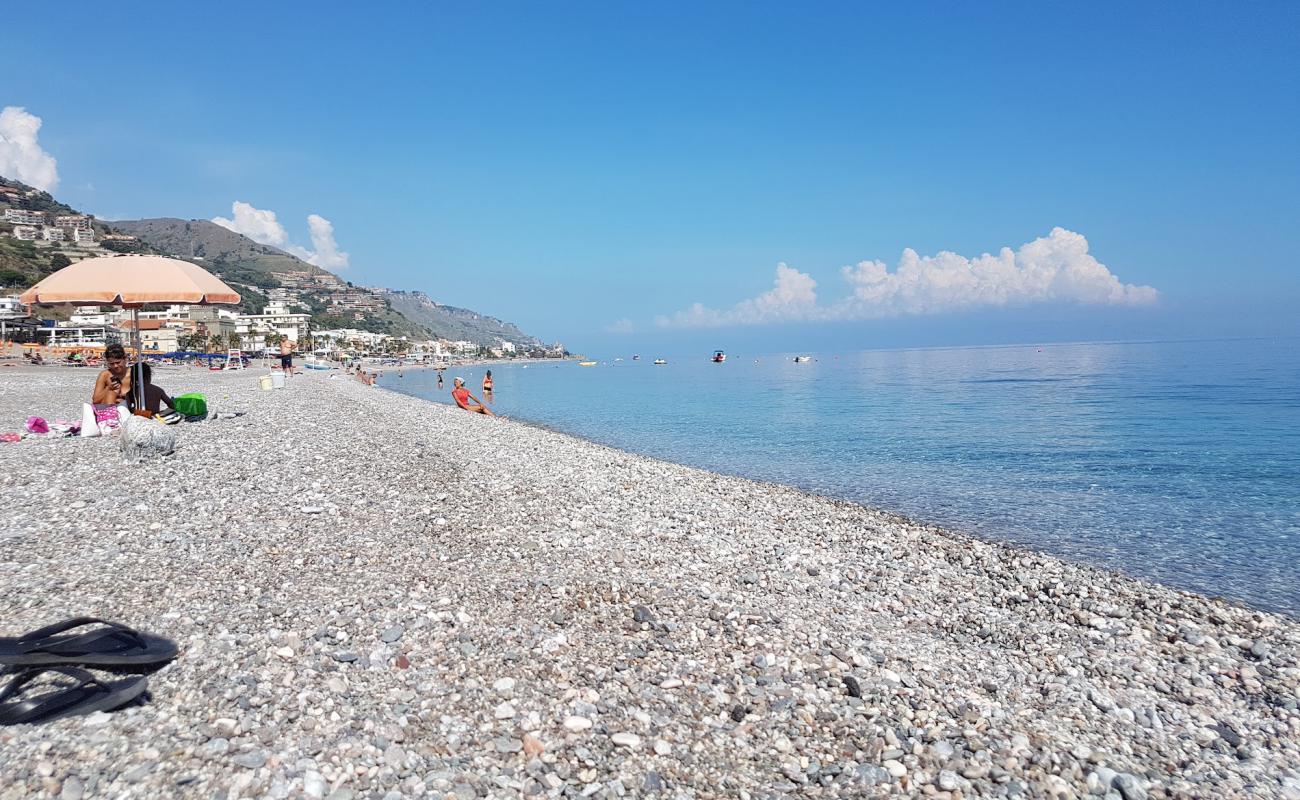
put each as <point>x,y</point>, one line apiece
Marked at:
<point>379,597</point>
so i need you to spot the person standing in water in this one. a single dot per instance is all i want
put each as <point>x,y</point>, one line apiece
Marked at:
<point>487,382</point>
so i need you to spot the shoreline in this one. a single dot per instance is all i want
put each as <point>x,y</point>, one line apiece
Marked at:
<point>684,629</point>
<point>897,516</point>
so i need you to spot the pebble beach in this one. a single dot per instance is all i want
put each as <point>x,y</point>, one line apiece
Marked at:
<point>381,597</point>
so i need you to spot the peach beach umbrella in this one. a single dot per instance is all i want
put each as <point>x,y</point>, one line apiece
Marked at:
<point>130,281</point>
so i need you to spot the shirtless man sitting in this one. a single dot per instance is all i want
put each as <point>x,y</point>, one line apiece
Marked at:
<point>113,384</point>
<point>462,397</point>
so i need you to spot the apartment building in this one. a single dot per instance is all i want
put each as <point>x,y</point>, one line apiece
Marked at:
<point>52,234</point>
<point>21,216</point>
<point>26,233</point>
<point>252,329</point>
<point>73,222</point>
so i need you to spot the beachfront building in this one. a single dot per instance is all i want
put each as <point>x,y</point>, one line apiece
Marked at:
<point>156,336</point>
<point>21,216</point>
<point>91,315</point>
<point>70,334</point>
<point>10,308</point>
<point>352,339</point>
<point>15,323</point>
<point>252,329</point>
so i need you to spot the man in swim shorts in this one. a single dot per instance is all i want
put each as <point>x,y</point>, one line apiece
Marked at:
<point>286,356</point>
<point>462,397</point>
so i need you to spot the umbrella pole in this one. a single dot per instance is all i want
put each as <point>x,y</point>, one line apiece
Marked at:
<point>137,386</point>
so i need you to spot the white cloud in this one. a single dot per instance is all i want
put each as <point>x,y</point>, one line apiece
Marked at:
<point>328,254</point>
<point>1054,268</point>
<point>622,326</point>
<point>21,156</point>
<point>257,224</point>
<point>261,226</point>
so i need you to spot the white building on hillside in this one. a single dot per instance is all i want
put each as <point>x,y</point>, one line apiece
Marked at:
<point>84,236</point>
<point>26,233</point>
<point>73,222</point>
<point>52,234</point>
<point>21,216</point>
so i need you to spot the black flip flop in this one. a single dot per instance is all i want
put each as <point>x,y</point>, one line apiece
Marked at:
<point>85,695</point>
<point>106,645</point>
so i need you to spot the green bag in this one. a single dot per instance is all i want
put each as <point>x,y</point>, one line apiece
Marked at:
<point>192,405</point>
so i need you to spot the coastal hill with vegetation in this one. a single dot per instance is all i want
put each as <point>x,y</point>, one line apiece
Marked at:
<point>256,270</point>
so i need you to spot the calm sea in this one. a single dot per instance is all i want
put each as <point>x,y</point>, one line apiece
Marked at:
<point>1176,461</point>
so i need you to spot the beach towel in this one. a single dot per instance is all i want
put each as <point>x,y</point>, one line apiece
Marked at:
<point>97,420</point>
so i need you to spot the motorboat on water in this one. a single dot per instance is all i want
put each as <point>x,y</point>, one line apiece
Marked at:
<point>659,362</point>
<point>719,357</point>
<point>802,359</point>
<point>586,363</point>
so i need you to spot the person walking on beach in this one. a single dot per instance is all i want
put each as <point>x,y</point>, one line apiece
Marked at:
<point>462,397</point>
<point>286,356</point>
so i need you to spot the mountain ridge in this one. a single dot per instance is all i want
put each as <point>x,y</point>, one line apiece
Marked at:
<point>257,269</point>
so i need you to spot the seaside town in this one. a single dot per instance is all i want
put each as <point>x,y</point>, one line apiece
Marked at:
<point>284,315</point>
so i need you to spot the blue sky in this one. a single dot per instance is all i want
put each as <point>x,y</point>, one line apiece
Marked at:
<point>584,169</point>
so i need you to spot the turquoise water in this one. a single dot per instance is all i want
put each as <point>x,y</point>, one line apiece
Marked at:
<point>1176,461</point>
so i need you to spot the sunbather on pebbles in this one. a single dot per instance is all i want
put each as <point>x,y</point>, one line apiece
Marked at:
<point>113,384</point>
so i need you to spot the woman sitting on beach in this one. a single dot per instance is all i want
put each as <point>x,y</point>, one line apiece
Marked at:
<point>113,385</point>
<point>462,397</point>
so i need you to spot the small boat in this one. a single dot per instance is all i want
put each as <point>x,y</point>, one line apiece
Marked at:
<point>802,359</point>
<point>586,363</point>
<point>659,362</point>
<point>719,356</point>
<point>636,358</point>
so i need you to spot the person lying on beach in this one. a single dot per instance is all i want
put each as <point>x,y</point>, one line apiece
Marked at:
<point>462,397</point>
<point>154,396</point>
<point>113,384</point>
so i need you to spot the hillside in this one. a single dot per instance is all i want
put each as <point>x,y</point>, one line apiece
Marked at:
<point>24,263</point>
<point>456,324</point>
<point>254,269</point>
<point>231,254</point>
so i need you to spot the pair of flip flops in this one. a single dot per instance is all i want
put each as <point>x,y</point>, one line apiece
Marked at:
<point>48,680</point>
